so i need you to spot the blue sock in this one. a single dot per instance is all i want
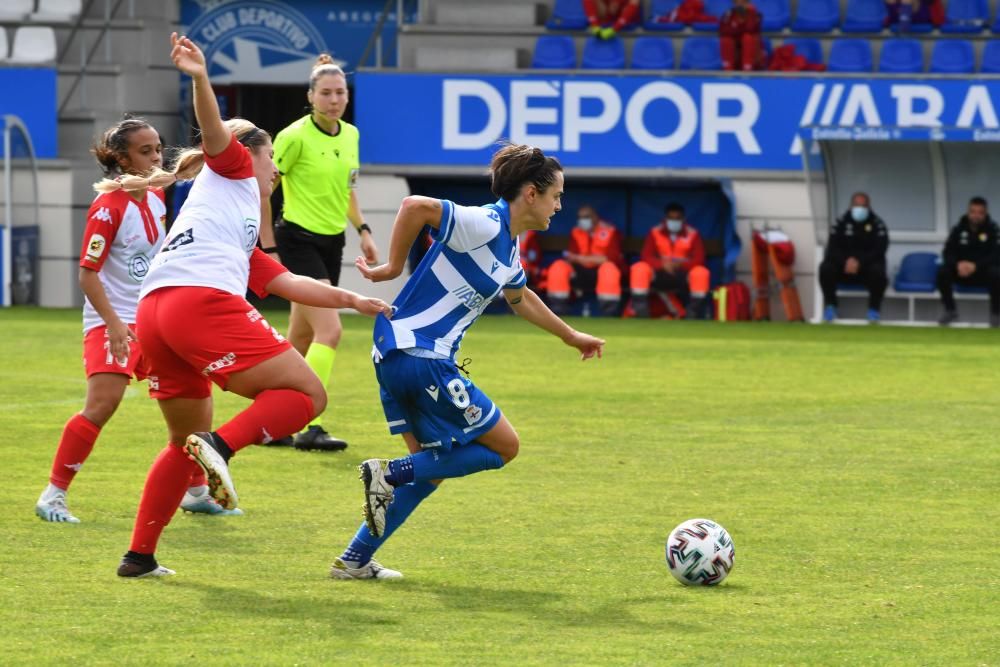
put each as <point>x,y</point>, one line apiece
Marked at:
<point>462,460</point>
<point>405,500</point>
<point>400,471</point>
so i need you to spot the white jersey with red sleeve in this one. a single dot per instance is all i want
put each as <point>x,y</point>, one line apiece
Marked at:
<point>212,239</point>
<point>119,242</point>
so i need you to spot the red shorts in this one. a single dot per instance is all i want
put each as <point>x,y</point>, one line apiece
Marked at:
<point>97,357</point>
<point>194,336</point>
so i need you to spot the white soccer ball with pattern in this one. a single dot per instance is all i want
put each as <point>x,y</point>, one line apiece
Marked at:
<point>700,553</point>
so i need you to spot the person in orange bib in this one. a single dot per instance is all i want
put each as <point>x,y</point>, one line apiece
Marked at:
<point>672,263</point>
<point>531,260</point>
<point>591,267</point>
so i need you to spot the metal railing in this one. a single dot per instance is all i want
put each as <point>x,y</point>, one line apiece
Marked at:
<point>11,123</point>
<point>86,56</point>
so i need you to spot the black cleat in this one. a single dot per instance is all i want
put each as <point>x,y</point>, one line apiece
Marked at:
<point>948,317</point>
<point>316,438</point>
<point>135,569</point>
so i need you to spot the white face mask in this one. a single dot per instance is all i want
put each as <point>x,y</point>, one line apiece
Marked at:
<point>586,224</point>
<point>674,226</point>
<point>859,213</point>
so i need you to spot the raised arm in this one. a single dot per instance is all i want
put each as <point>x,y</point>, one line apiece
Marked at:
<point>414,213</point>
<point>189,59</point>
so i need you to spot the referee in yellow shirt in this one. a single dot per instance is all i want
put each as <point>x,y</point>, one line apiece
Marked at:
<point>317,158</point>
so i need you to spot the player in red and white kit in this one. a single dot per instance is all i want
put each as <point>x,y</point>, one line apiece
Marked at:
<point>196,326</point>
<point>124,231</point>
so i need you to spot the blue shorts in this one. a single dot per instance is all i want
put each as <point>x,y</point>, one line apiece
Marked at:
<point>432,400</point>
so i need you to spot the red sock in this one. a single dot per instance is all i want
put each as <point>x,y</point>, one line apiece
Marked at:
<point>78,438</point>
<point>198,478</point>
<point>627,17</point>
<point>274,414</point>
<point>161,496</point>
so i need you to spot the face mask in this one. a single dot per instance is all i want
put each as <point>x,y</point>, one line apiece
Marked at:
<point>586,224</point>
<point>859,213</point>
<point>674,226</point>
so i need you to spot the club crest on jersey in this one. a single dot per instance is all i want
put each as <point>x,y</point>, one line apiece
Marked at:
<point>102,214</point>
<point>95,246</point>
<point>138,267</point>
<point>472,414</point>
<point>472,299</point>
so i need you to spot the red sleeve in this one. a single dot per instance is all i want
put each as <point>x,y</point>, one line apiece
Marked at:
<point>650,254</point>
<point>234,162</point>
<point>615,249</point>
<point>103,220</point>
<point>263,270</point>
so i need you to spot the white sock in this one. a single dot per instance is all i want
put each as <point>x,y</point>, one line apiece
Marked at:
<point>51,491</point>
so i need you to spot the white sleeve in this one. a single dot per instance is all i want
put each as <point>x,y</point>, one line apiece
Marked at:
<point>465,228</point>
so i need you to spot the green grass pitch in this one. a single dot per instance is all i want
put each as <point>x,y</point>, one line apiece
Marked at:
<point>857,469</point>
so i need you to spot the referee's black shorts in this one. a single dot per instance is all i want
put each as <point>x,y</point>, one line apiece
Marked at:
<point>307,254</point>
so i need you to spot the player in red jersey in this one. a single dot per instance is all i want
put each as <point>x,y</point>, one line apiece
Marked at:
<point>124,231</point>
<point>197,328</point>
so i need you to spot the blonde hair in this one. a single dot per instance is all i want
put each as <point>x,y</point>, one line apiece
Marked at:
<point>324,65</point>
<point>188,164</point>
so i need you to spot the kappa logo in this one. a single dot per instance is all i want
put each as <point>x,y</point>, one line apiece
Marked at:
<point>219,364</point>
<point>472,414</point>
<point>433,391</point>
<point>102,214</point>
<point>266,437</point>
<point>74,466</point>
<point>472,299</point>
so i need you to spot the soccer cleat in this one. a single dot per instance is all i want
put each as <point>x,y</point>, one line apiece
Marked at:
<point>316,438</point>
<point>948,317</point>
<point>370,570</point>
<point>378,493</point>
<point>136,570</point>
<point>829,314</point>
<point>205,504</point>
<point>201,448</point>
<point>874,317</point>
<point>54,509</point>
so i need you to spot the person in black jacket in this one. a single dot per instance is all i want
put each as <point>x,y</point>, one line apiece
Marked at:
<point>971,257</point>
<point>855,255</point>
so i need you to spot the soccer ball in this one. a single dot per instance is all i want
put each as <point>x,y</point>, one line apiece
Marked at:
<point>700,553</point>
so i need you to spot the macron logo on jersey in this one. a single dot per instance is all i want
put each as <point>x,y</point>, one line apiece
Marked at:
<point>102,214</point>
<point>472,299</point>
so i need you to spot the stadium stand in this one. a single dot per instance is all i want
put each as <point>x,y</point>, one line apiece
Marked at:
<point>864,16</point>
<point>777,14</point>
<point>567,15</point>
<point>554,52</point>
<point>850,55</point>
<point>714,8</point>
<point>14,11</point>
<point>4,47</point>
<point>652,53</point>
<point>603,54</point>
<point>34,44</point>
<point>901,56</point>
<point>965,16</point>
<point>701,53</point>
<point>659,15</point>
<point>816,16</point>
<point>991,58</point>
<point>56,11</point>
<point>811,48</point>
<point>953,56</point>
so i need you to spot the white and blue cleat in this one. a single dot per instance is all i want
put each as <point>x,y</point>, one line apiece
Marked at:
<point>53,508</point>
<point>206,504</point>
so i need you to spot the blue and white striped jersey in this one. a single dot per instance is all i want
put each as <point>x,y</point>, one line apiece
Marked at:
<point>473,258</point>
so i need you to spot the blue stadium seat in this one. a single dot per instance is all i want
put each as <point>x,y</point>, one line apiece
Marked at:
<point>567,15</point>
<point>901,56</point>
<point>652,53</point>
<point>662,8</point>
<point>776,14</point>
<point>864,16</point>
<point>603,54</point>
<point>991,58</point>
<point>714,8</point>
<point>917,273</point>
<point>554,52</point>
<point>701,53</point>
<point>969,289</point>
<point>953,56</point>
<point>966,16</point>
<point>808,47</point>
<point>850,55</point>
<point>817,16</point>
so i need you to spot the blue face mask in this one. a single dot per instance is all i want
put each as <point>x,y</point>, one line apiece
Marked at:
<point>674,226</point>
<point>859,213</point>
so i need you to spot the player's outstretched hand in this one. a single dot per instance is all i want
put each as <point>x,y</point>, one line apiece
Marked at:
<point>371,306</point>
<point>376,274</point>
<point>186,56</point>
<point>589,346</point>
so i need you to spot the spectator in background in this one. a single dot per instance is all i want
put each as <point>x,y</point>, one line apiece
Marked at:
<point>855,254</point>
<point>905,13</point>
<point>672,262</point>
<point>531,259</point>
<point>739,37</point>
<point>971,257</point>
<point>590,267</point>
<point>607,17</point>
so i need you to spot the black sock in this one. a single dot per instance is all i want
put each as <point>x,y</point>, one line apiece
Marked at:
<point>222,447</point>
<point>141,559</point>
